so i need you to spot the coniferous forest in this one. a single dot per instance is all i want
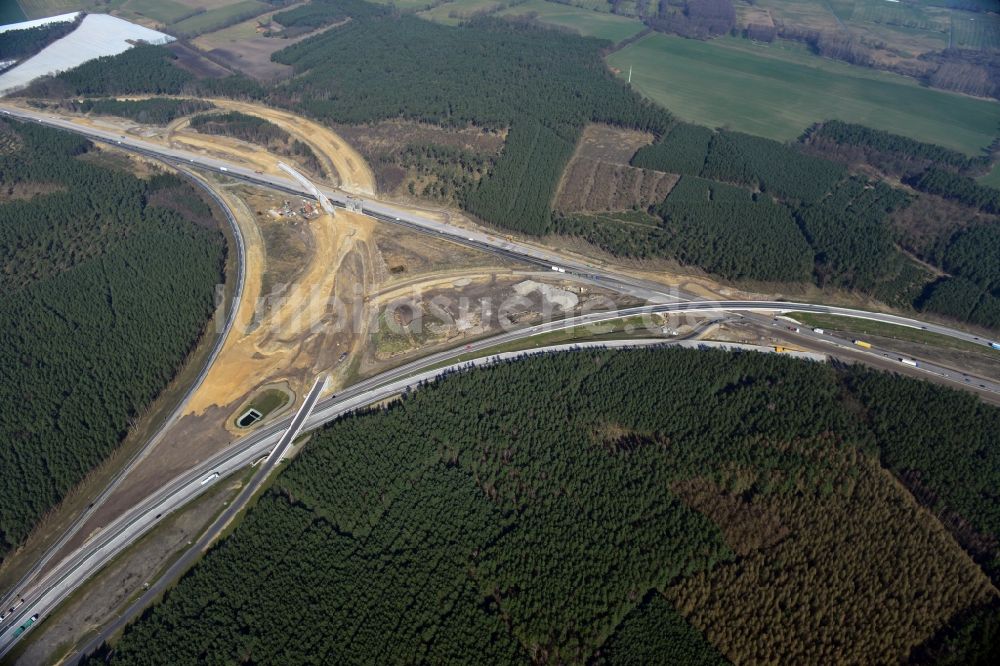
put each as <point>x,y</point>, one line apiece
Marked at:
<point>391,64</point>
<point>614,507</point>
<point>105,289</point>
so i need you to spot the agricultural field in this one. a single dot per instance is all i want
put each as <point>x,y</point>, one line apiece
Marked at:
<point>41,8</point>
<point>781,91</point>
<point>976,31</point>
<point>161,11</point>
<point>243,49</point>
<point>406,5</point>
<point>214,19</point>
<point>587,22</point>
<point>10,12</point>
<point>453,13</point>
<point>905,29</point>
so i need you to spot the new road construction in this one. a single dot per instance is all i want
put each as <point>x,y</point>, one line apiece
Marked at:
<point>49,585</point>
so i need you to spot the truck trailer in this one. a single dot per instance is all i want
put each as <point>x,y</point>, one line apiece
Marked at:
<point>24,627</point>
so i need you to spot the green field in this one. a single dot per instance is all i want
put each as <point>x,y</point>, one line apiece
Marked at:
<point>777,92</point>
<point>460,9</point>
<point>215,19</point>
<point>164,11</point>
<point>993,177</point>
<point>269,400</point>
<point>976,31</point>
<point>405,5</point>
<point>584,21</point>
<point>10,12</point>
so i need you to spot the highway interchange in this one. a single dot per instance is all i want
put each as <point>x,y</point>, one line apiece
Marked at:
<point>44,593</point>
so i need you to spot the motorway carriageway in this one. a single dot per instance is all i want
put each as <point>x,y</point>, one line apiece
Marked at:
<point>111,541</point>
<point>569,268</point>
<point>69,574</point>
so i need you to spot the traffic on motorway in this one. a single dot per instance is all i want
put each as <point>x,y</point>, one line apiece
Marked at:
<point>37,598</point>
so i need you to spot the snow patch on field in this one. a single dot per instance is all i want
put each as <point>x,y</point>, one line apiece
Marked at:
<point>98,35</point>
<point>25,25</point>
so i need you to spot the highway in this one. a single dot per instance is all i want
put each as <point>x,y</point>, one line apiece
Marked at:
<point>520,251</point>
<point>45,593</point>
<point>50,552</point>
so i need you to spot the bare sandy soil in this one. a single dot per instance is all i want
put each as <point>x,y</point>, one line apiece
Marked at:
<point>351,169</point>
<point>318,323</point>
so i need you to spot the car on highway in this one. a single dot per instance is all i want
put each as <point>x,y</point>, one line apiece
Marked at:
<point>12,608</point>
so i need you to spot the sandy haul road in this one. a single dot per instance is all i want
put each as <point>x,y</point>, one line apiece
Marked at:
<point>351,169</point>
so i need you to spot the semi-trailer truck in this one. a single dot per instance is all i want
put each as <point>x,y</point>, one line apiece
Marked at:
<point>862,343</point>
<point>24,627</point>
<point>909,361</point>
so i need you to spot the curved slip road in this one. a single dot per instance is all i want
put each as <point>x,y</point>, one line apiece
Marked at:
<point>74,570</point>
<point>56,584</point>
<point>171,419</point>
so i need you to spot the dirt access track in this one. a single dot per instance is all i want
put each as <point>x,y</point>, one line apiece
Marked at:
<point>347,169</point>
<point>351,169</point>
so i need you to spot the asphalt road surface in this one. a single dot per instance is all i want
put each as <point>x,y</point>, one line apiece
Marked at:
<point>174,415</point>
<point>44,594</point>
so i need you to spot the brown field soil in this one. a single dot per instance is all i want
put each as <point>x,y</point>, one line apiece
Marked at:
<point>288,240</point>
<point>207,4</point>
<point>407,253</point>
<point>252,56</point>
<point>241,47</point>
<point>228,148</point>
<point>412,318</point>
<point>354,174</point>
<point>390,135</point>
<point>28,190</point>
<point>751,15</point>
<point>318,323</point>
<point>589,185</point>
<point>345,167</point>
<point>611,144</point>
<point>599,178</point>
<point>379,143</point>
<point>195,62</point>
